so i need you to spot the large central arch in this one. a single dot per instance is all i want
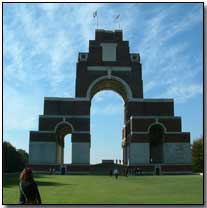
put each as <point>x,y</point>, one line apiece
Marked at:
<point>106,114</point>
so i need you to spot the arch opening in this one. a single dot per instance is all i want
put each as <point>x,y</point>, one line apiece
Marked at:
<point>67,155</point>
<point>156,135</point>
<point>113,83</point>
<point>63,132</point>
<point>107,118</point>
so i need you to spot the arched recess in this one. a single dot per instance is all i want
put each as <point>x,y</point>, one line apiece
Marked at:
<point>62,129</point>
<point>110,83</point>
<point>156,136</point>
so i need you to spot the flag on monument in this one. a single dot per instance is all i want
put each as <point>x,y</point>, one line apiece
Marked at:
<point>117,16</point>
<point>95,14</point>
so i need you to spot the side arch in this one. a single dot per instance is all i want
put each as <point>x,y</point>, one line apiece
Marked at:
<point>63,123</point>
<point>156,133</point>
<point>157,123</point>
<point>61,130</point>
<point>110,82</point>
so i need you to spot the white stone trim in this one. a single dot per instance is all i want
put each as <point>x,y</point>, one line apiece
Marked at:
<point>154,117</point>
<point>176,132</point>
<point>157,123</point>
<point>80,132</point>
<point>66,99</point>
<point>63,116</point>
<point>108,31</point>
<point>130,127</point>
<point>35,142</point>
<point>109,73</point>
<point>150,100</point>
<point>81,58</point>
<point>148,129</point>
<point>125,85</point>
<point>42,131</point>
<point>167,132</point>
<point>108,44</point>
<point>63,122</point>
<point>109,68</point>
<point>132,132</point>
<point>139,132</point>
<point>137,57</point>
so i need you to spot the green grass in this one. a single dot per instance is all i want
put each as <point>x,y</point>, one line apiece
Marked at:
<point>57,189</point>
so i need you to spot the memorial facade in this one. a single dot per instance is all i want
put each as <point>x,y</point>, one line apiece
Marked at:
<point>152,136</point>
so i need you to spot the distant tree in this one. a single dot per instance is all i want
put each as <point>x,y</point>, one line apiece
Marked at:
<point>13,160</point>
<point>197,155</point>
<point>24,158</point>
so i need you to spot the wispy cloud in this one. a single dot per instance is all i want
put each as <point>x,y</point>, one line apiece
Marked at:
<point>182,92</point>
<point>100,108</point>
<point>166,60</point>
<point>111,109</point>
<point>21,113</point>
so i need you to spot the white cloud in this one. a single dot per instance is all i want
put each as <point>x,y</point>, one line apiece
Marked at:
<point>183,92</point>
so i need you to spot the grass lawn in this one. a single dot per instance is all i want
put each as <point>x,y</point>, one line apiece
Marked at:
<point>72,189</point>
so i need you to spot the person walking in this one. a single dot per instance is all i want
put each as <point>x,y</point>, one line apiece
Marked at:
<point>29,193</point>
<point>116,173</point>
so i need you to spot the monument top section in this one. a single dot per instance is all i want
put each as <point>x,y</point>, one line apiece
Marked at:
<point>111,36</point>
<point>109,65</point>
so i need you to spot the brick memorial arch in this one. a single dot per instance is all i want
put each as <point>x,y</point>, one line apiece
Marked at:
<point>152,136</point>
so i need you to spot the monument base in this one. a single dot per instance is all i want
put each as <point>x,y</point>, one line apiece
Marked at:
<point>105,168</point>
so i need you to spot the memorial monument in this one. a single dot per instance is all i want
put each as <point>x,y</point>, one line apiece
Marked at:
<point>152,137</point>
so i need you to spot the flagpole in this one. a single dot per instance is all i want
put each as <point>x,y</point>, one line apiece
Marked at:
<point>97,21</point>
<point>117,19</point>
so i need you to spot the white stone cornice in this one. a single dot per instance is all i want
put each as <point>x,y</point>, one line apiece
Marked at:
<point>107,68</point>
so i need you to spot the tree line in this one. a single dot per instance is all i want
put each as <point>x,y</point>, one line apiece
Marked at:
<point>14,160</point>
<point>197,155</point>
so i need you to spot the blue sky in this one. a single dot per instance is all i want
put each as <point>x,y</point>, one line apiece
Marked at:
<point>41,45</point>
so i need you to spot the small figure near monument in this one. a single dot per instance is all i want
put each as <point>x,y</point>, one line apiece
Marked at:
<point>126,171</point>
<point>50,171</point>
<point>137,171</point>
<point>53,171</point>
<point>29,193</point>
<point>116,173</point>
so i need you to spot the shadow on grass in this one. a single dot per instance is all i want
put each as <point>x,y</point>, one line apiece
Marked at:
<point>13,180</point>
<point>47,183</point>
